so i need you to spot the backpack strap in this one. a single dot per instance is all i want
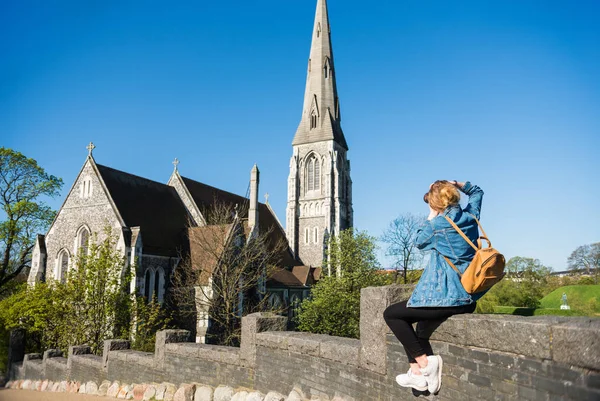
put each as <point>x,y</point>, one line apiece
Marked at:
<point>462,234</point>
<point>452,265</point>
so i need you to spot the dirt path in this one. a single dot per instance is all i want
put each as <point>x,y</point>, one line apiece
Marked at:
<point>29,395</point>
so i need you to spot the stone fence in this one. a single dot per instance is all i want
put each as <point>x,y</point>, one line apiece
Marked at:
<point>485,357</point>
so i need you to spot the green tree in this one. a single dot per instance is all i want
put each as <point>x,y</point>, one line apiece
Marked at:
<point>400,239</point>
<point>525,284</point>
<point>586,258</point>
<point>96,293</point>
<point>334,305</point>
<point>93,305</point>
<point>22,184</point>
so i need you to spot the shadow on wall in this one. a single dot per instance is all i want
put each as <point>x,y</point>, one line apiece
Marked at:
<point>493,356</point>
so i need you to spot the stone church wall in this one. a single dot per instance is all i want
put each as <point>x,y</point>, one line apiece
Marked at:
<point>91,208</point>
<point>485,357</point>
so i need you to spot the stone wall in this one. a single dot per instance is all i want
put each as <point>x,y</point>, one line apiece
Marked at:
<point>485,357</point>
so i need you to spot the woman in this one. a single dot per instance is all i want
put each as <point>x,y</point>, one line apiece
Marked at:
<point>439,293</point>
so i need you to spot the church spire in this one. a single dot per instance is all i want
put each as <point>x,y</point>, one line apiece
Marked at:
<point>321,114</point>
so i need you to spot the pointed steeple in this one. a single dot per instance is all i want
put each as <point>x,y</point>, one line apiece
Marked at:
<point>321,113</point>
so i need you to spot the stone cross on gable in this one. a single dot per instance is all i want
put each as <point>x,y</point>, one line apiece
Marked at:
<point>176,163</point>
<point>90,148</point>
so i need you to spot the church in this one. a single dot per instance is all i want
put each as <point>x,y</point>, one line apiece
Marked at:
<point>153,220</point>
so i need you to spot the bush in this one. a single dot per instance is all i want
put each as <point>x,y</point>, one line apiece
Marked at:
<point>334,304</point>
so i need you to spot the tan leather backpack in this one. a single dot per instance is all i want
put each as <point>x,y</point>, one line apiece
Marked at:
<point>487,266</point>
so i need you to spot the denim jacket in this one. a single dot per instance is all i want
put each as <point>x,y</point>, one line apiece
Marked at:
<point>440,285</point>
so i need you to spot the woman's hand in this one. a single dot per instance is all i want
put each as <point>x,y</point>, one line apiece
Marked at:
<point>457,184</point>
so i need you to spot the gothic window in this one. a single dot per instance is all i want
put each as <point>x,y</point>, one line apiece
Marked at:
<point>63,266</point>
<point>306,235</point>
<point>313,119</point>
<point>326,71</point>
<point>313,172</point>
<point>85,190</point>
<point>83,240</point>
<point>318,29</point>
<point>316,235</point>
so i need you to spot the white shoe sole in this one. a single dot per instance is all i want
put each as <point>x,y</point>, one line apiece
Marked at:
<point>439,386</point>
<point>415,387</point>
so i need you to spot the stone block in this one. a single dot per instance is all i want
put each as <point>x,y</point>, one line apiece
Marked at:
<point>223,393</point>
<point>113,345</point>
<point>26,385</point>
<point>77,350</point>
<point>203,393</point>
<point>44,386</point>
<point>64,387</point>
<point>296,395</point>
<point>91,388</point>
<point>103,388</point>
<point>138,391</point>
<point>274,396</point>
<point>252,325</point>
<point>123,391</point>
<point>343,350</point>
<point>373,329</point>
<point>82,389</point>
<point>514,334</point>
<point>170,392</point>
<point>160,392</point>
<point>164,337</point>
<point>52,353</point>
<point>254,396</point>
<point>240,396</point>
<point>577,343</point>
<point>185,393</point>
<point>150,393</point>
<point>453,331</point>
<point>113,390</point>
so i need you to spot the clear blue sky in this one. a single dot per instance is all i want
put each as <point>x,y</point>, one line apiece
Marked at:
<point>503,93</point>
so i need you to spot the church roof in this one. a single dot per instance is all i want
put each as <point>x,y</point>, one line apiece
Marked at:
<point>206,196</point>
<point>154,207</point>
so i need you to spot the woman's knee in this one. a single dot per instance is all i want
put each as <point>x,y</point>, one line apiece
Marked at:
<point>393,312</point>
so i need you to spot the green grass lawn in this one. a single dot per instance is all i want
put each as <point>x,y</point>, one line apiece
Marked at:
<point>579,297</point>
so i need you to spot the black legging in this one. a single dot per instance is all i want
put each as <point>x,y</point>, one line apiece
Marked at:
<point>400,318</point>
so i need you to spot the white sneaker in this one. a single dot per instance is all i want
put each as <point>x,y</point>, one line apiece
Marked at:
<point>433,373</point>
<point>409,379</point>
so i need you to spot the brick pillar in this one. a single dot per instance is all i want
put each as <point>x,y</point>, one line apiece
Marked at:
<point>165,337</point>
<point>253,324</point>
<point>112,345</point>
<point>373,329</point>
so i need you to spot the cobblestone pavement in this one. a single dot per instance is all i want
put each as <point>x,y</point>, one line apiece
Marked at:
<point>28,395</point>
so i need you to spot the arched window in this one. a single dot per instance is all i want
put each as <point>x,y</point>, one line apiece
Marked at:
<point>306,235</point>
<point>313,173</point>
<point>313,119</point>
<point>159,285</point>
<point>316,235</point>
<point>317,174</point>
<point>63,266</point>
<point>83,240</point>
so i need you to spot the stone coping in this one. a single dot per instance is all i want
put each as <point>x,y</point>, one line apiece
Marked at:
<point>216,353</point>
<point>143,358</point>
<point>57,361</point>
<point>338,349</point>
<point>88,359</point>
<point>570,340</point>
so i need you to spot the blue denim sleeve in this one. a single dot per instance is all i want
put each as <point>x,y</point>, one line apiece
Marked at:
<point>475,195</point>
<point>425,239</point>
